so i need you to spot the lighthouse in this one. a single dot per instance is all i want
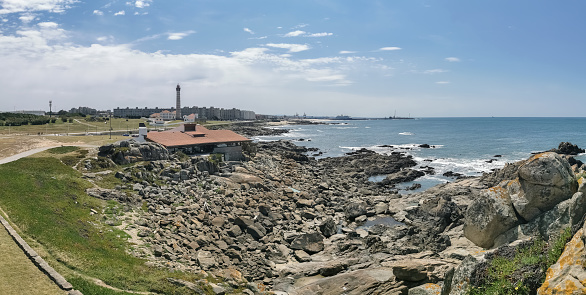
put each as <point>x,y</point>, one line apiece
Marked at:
<point>178,108</point>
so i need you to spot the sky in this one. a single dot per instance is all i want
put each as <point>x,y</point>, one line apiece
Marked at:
<point>323,57</point>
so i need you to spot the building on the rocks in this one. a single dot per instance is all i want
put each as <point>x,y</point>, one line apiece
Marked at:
<point>190,118</point>
<point>193,138</point>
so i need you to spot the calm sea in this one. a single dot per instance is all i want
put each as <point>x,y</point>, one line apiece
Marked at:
<point>464,145</point>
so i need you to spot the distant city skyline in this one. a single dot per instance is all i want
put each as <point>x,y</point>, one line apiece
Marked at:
<point>358,58</point>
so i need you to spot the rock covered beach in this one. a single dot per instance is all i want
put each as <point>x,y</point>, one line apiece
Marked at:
<point>286,222</point>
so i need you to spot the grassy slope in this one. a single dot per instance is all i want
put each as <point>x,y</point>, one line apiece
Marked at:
<point>18,274</point>
<point>47,201</point>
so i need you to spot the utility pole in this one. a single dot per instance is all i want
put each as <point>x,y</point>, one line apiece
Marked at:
<point>50,108</point>
<point>110,126</point>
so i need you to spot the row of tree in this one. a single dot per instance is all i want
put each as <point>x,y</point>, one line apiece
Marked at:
<point>12,119</point>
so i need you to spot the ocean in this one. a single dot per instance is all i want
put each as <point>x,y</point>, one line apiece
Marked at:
<point>468,146</point>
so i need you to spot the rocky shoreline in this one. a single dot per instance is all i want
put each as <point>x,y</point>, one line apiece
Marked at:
<point>296,225</point>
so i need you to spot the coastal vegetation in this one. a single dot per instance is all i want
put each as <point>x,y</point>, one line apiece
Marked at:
<point>46,200</point>
<point>518,270</point>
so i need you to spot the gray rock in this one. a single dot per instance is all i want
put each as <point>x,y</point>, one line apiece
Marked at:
<point>205,259</point>
<point>332,269</point>
<point>328,228</point>
<point>355,209</point>
<point>364,281</point>
<point>380,208</point>
<point>489,215</point>
<point>257,231</point>
<point>410,271</point>
<point>545,180</point>
<point>243,221</point>
<point>310,243</point>
<point>549,224</point>
<point>302,256</point>
<point>426,289</point>
<point>234,231</point>
<point>461,277</point>
<point>218,221</point>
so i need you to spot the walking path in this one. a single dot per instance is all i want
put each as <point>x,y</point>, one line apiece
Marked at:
<point>34,151</point>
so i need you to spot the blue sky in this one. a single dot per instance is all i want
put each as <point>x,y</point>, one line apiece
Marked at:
<point>359,58</point>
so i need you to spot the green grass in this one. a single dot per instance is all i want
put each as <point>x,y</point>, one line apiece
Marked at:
<point>63,150</point>
<point>46,199</point>
<point>524,272</point>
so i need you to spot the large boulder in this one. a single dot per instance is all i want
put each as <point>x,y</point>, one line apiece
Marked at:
<point>130,151</point>
<point>489,215</point>
<point>545,180</point>
<point>549,224</point>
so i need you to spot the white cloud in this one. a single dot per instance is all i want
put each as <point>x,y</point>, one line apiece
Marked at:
<point>452,59</point>
<point>295,33</point>
<point>299,26</point>
<point>27,17</point>
<point>390,48</point>
<point>57,6</point>
<point>442,82</point>
<point>121,12</point>
<point>434,71</point>
<point>258,38</point>
<point>290,47</point>
<point>98,12</point>
<point>347,52</point>
<point>143,3</point>
<point>249,31</point>
<point>320,34</point>
<point>179,36</point>
<point>306,34</point>
<point>46,65</point>
<point>105,38</point>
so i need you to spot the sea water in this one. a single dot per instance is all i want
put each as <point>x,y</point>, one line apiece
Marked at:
<point>469,146</point>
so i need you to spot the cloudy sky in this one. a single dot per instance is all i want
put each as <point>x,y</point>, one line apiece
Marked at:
<point>323,57</point>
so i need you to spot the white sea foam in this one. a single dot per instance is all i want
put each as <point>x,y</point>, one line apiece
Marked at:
<point>406,133</point>
<point>349,127</point>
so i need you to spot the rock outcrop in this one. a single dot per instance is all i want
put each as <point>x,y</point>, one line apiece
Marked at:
<point>126,152</point>
<point>568,275</point>
<point>295,224</point>
<point>543,181</point>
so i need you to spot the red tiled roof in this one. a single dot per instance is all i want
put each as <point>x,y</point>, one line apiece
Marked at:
<point>202,135</point>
